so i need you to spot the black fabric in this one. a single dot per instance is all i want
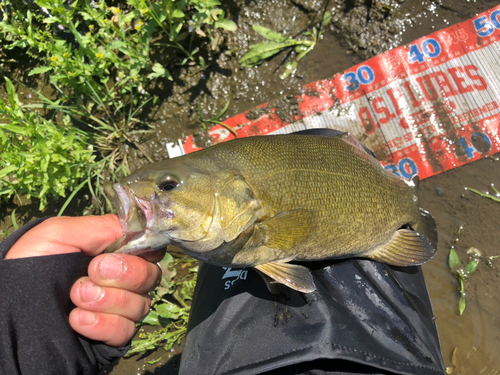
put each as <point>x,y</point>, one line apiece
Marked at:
<point>35,335</point>
<point>8,242</point>
<point>364,318</point>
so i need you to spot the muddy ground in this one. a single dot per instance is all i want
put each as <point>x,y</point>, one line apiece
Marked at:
<point>359,30</point>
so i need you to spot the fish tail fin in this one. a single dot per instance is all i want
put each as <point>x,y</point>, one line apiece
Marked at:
<point>406,248</point>
<point>425,223</point>
<point>426,226</point>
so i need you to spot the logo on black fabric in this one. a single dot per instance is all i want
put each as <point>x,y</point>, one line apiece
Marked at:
<point>235,275</point>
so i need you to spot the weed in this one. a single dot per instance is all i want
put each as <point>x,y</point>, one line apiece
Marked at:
<point>464,273</point>
<point>277,42</point>
<point>495,197</point>
<point>171,316</point>
<point>215,120</point>
<point>38,158</point>
<point>101,61</point>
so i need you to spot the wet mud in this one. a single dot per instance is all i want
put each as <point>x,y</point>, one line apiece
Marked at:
<point>476,334</point>
<point>359,30</point>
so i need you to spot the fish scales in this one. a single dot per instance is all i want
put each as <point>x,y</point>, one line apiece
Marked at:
<point>356,204</point>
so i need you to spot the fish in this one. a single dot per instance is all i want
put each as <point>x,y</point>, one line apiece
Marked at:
<point>271,202</point>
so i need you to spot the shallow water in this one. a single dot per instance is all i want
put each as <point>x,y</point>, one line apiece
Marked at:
<point>476,334</point>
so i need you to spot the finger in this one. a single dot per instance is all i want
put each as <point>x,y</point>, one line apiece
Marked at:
<point>124,271</point>
<point>113,330</point>
<point>154,256</point>
<point>61,235</point>
<point>92,297</point>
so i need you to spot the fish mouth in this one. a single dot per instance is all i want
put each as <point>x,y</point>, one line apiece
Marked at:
<point>137,219</point>
<point>133,212</point>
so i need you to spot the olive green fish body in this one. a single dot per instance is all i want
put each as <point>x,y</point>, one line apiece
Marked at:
<point>265,201</point>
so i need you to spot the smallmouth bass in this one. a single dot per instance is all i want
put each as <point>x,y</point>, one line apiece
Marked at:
<point>265,201</point>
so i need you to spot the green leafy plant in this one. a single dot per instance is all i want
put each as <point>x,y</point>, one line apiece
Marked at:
<point>202,17</point>
<point>276,42</point>
<point>102,61</point>
<point>464,273</point>
<point>170,307</point>
<point>38,158</point>
<point>99,76</point>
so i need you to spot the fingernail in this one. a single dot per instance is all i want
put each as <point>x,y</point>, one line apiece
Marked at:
<point>90,292</point>
<point>112,267</point>
<point>86,318</point>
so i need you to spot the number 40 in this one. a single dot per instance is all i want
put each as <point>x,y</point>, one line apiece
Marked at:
<point>430,48</point>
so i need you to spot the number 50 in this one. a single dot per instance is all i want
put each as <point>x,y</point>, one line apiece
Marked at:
<point>485,27</point>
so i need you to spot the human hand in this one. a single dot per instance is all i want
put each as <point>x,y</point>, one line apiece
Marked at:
<point>115,294</point>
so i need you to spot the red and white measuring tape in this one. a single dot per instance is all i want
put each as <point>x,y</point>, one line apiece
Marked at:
<point>422,108</point>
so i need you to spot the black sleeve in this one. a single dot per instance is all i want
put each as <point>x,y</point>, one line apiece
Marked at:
<point>35,335</point>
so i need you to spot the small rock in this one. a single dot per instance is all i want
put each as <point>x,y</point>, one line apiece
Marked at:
<point>473,252</point>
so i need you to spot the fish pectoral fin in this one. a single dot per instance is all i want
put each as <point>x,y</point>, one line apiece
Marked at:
<point>406,248</point>
<point>276,238</point>
<point>292,275</point>
<point>283,231</point>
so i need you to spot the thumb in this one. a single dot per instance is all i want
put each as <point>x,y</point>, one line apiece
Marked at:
<point>62,235</point>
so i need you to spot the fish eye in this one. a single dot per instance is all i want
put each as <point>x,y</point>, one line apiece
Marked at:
<point>169,184</point>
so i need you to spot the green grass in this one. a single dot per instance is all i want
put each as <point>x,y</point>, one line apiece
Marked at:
<point>101,62</point>
<point>39,158</point>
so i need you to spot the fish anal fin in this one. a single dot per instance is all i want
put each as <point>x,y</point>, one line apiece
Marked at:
<point>292,275</point>
<point>406,248</point>
<point>273,286</point>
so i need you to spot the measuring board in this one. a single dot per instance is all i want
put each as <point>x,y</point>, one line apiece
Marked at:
<point>422,108</point>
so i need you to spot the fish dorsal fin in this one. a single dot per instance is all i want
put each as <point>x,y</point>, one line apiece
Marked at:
<point>236,203</point>
<point>292,275</point>
<point>353,141</point>
<point>359,149</point>
<point>406,248</point>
